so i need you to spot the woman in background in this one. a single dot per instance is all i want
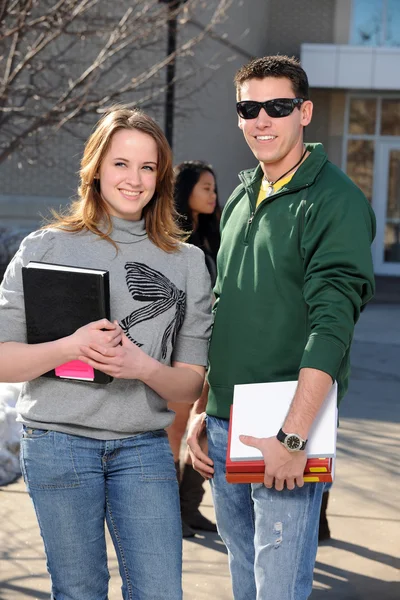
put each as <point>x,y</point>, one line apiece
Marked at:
<point>196,201</point>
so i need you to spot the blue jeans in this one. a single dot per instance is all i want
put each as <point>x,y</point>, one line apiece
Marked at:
<point>271,536</point>
<point>78,483</point>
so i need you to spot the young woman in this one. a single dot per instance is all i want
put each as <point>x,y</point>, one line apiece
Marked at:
<point>196,201</point>
<point>92,453</point>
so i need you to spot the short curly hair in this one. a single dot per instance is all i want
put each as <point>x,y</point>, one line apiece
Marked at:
<point>274,66</point>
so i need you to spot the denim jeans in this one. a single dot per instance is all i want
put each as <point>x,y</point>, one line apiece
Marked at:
<point>78,483</point>
<point>271,536</point>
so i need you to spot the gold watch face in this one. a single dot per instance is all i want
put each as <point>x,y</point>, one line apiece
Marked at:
<point>293,442</point>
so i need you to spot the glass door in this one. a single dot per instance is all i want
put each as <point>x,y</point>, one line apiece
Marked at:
<point>386,204</point>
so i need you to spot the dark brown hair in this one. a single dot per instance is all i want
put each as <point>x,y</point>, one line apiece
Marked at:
<point>274,66</point>
<point>187,174</point>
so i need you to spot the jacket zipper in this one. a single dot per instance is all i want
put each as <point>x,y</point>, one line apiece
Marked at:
<point>249,222</point>
<point>266,201</point>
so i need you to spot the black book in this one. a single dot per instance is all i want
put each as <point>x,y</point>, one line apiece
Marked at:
<point>60,299</point>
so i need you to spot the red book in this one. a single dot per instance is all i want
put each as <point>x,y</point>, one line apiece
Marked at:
<point>259,477</point>
<point>252,471</point>
<point>313,465</point>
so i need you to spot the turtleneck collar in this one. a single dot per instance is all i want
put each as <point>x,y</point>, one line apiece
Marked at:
<point>127,232</point>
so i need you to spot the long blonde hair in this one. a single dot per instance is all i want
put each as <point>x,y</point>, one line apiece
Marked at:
<point>89,210</point>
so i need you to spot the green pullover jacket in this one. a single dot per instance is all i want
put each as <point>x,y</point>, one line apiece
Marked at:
<point>293,276</point>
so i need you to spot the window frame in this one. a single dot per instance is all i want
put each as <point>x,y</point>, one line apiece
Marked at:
<point>376,136</point>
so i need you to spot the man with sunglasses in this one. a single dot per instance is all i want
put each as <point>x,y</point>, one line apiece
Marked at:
<point>294,271</point>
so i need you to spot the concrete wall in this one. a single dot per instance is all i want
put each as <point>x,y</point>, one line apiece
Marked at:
<point>52,174</point>
<point>206,122</point>
<point>318,130</point>
<point>206,127</point>
<point>336,126</point>
<point>292,23</point>
<point>341,30</point>
<point>327,124</point>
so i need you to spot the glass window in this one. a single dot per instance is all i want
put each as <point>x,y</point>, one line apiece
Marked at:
<point>375,23</point>
<point>390,120</point>
<point>362,116</point>
<point>392,23</point>
<point>392,242</point>
<point>360,164</point>
<point>392,225</point>
<point>366,29</point>
<point>393,207</point>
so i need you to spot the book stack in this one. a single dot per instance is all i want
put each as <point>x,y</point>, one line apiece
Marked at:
<point>259,410</point>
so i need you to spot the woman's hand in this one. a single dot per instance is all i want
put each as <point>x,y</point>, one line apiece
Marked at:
<point>24,362</point>
<point>103,333</point>
<point>124,361</point>
<point>199,406</point>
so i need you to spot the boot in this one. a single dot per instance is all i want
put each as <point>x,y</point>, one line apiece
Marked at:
<point>187,532</point>
<point>324,533</point>
<point>191,493</point>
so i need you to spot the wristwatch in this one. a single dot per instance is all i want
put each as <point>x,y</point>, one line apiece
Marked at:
<point>292,441</point>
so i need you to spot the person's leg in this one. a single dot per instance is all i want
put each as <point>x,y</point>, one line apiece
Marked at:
<point>143,516</point>
<point>235,515</point>
<point>175,432</point>
<point>64,478</point>
<point>191,489</point>
<point>191,493</point>
<point>286,540</point>
<point>324,532</point>
<point>187,532</point>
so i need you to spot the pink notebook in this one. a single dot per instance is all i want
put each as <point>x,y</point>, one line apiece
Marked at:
<point>75,369</point>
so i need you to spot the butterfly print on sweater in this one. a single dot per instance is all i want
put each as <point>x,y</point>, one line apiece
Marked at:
<point>160,294</point>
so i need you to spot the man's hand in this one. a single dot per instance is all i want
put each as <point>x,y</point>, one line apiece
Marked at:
<point>280,465</point>
<point>197,445</point>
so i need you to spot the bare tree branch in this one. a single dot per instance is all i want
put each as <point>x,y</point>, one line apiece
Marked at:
<point>62,61</point>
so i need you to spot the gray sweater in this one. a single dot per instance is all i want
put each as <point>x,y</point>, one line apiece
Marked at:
<point>171,321</point>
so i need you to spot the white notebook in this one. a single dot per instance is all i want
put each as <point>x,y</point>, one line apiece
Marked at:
<point>259,409</point>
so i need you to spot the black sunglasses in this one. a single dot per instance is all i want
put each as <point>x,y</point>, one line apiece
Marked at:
<point>280,107</point>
